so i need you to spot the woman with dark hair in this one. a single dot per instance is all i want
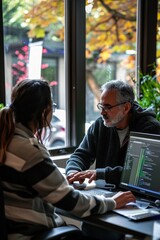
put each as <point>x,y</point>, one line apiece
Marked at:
<point>33,186</point>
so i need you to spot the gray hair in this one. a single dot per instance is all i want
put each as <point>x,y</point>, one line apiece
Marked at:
<point>124,91</point>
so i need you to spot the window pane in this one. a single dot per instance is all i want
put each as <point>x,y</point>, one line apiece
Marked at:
<point>110,47</point>
<point>34,48</point>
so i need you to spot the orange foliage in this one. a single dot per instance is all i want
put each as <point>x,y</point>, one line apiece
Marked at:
<point>109,23</point>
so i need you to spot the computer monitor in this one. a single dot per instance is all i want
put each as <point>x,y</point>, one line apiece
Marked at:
<point>141,173</point>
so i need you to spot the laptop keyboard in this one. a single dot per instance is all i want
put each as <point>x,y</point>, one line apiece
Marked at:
<point>99,192</point>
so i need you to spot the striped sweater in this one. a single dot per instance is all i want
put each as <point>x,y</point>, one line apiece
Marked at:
<point>34,187</point>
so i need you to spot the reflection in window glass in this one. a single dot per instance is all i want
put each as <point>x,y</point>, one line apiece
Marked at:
<point>110,47</point>
<point>34,48</point>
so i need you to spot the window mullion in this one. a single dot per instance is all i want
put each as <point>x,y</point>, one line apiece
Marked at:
<point>75,70</point>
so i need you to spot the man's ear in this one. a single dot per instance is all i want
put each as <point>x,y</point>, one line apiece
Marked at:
<point>127,107</point>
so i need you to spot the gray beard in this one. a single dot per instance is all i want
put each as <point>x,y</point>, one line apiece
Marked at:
<point>115,121</point>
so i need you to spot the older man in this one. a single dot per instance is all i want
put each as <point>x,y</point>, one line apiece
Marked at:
<point>106,142</point>
<point>107,138</point>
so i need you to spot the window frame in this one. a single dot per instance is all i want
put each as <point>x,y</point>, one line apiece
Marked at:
<point>146,37</point>
<point>75,69</point>
<point>74,56</point>
<point>75,77</point>
<point>2,74</point>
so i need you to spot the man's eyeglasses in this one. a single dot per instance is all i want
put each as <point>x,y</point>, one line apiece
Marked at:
<point>107,108</point>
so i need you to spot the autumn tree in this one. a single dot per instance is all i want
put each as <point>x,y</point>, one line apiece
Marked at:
<point>110,25</point>
<point>110,28</point>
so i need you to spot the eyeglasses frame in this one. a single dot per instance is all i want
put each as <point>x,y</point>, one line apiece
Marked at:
<point>108,108</point>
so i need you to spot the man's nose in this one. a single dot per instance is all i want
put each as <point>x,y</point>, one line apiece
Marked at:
<point>103,112</point>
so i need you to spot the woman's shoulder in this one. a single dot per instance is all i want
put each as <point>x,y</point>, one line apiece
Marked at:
<point>27,151</point>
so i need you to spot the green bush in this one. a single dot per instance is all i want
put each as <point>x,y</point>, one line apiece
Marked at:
<point>1,105</point>
<point>150,93</point>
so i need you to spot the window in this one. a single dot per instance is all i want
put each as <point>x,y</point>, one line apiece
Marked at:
<point>110,47</point>
<point>34,49</point>
<point>33,39</point>
<point>64,63</point>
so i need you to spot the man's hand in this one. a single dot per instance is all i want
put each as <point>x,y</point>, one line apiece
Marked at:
<point>80,176</point>
<point>122,198</point>
<point>70,177</point>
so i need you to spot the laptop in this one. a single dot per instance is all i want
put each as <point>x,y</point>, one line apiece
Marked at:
<point>141,174</point>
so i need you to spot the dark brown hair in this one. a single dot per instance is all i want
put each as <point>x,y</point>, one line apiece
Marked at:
<point>30,101</point>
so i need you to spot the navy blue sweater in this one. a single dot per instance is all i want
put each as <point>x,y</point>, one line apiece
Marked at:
<point>102,144</point>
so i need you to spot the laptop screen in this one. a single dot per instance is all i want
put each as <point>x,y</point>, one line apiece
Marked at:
<point>141,173</point>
